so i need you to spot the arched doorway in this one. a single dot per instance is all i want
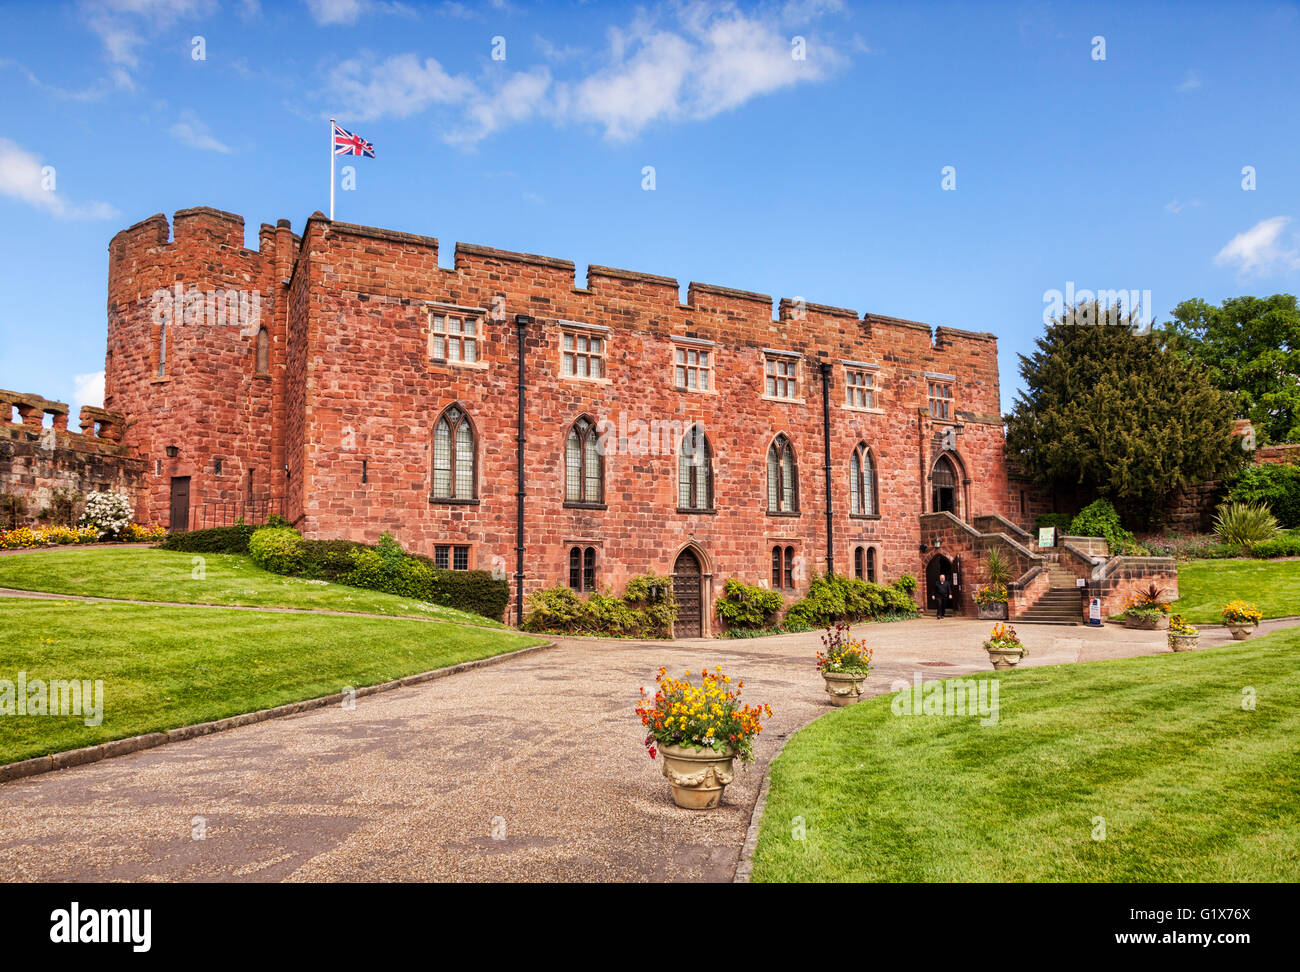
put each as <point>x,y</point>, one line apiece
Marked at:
<point>688,589</point>
<point>939,564</point>
<point>943,487</point>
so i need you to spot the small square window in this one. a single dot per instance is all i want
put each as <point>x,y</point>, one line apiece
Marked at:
<point>941,400</point>
<point>460,558</point>
<point>693,369</point>
<point>583,355</point>
<point>453,338</point>
<point>441,555</point>
<point>781,377</point>
<point>859,388</point>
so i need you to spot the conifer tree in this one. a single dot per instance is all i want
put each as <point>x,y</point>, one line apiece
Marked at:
<point>1109,410</point>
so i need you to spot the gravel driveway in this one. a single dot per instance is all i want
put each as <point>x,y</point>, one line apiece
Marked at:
<point>544,751</point>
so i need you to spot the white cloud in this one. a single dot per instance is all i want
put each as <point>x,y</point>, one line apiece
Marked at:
<point>1190,83</point>
<point>190,130</point>
<point>1175,206</point>
<point>123,27</point>
<point>708,58</point>
<point>326,12</point>
<point>520,97</point>
<point>344,13</point>
<point>23,177</point>
<point>1261,250</point>
<point>87,390</point>
<point>398,86</point>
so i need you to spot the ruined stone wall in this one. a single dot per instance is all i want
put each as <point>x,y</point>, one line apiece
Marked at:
<point>39,461</point>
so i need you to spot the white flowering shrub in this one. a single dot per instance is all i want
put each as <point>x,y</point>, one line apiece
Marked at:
<point>108,512</point>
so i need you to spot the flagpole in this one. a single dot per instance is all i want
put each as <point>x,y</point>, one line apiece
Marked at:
<point>331,170</point>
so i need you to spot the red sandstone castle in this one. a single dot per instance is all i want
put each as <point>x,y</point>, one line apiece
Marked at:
<point>498,416</point>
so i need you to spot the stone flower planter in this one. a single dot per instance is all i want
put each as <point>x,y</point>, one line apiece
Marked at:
<point>1147,624</point>
<point>995,611</point>
<point>1183,642</point>
<point>1240,632</point>
<point>843,688</point>
<point>1005,658</point>
<point>697,777</point>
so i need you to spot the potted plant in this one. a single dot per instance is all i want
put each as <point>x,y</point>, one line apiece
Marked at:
<point>1182,636</point>
<point>1004,647</point>
<point>1146,610</point>
<point>991,602</point>
<point>699,730</point>
<point>844,663</point>
<point>1241,617</point>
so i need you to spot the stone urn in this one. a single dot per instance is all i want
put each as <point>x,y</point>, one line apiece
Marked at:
<point>697,776</point>
<point>1005,657</point>
<point>1183,642</point>
<point>1240,632</point>
<point>844,688</point>
<point>1146,623</point>
<point>993,611</point>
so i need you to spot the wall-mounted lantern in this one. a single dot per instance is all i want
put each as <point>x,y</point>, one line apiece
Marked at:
<point>171,452</point>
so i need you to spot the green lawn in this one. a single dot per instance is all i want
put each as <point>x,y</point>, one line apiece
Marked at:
<point>145,574</point>
<point>1204,586</point>
<point>1192,788</point>
<point>166,667</point>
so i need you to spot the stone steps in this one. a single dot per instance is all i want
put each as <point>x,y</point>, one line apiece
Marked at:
<point>1059,605</point>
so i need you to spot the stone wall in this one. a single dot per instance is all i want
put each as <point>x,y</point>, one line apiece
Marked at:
<point>1120,577</point>
<point>39,460</point>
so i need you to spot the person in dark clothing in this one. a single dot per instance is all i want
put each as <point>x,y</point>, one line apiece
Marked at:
<point>942,592</point>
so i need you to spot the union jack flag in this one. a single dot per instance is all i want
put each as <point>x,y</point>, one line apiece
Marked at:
<point>345,143</point>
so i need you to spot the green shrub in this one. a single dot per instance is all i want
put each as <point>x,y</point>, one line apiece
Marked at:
<point>606,615</point>
<point>386,568</point>
<point>835,599</point>
<point>476,591</point>
<point>277,549</point>
<point>1100,519</point>
<point>655,606</point>
<point>328,559</point>
<point>1059,520</point>
<point>1241,525</point>
<point>639,613</point>
<point>747,605</point>
<point>1275,485</point>
<point>906,584</point>
<point>554,609</point>
<point>231,540</point>
<point>1287,545</point>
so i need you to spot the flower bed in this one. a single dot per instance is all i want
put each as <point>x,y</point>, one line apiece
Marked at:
<point>26,537</point>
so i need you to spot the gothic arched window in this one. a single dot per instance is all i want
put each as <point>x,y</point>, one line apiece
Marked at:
<point>455,475</point>
<point>584,474</point>
<point>782,477</point>
<point>862,482</point>
<point>695,471</point>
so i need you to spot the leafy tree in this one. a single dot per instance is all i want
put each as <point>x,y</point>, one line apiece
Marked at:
<point>1250,347</point>
<point>1111,411</point>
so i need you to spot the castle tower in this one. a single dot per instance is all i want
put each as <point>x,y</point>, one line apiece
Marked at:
<point>195,363</point>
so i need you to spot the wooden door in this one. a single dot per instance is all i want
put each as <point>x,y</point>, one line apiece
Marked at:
<point>180,515</point>
<point>687,589</point>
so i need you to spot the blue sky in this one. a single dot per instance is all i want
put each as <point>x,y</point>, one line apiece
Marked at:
<point>820,178</point>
